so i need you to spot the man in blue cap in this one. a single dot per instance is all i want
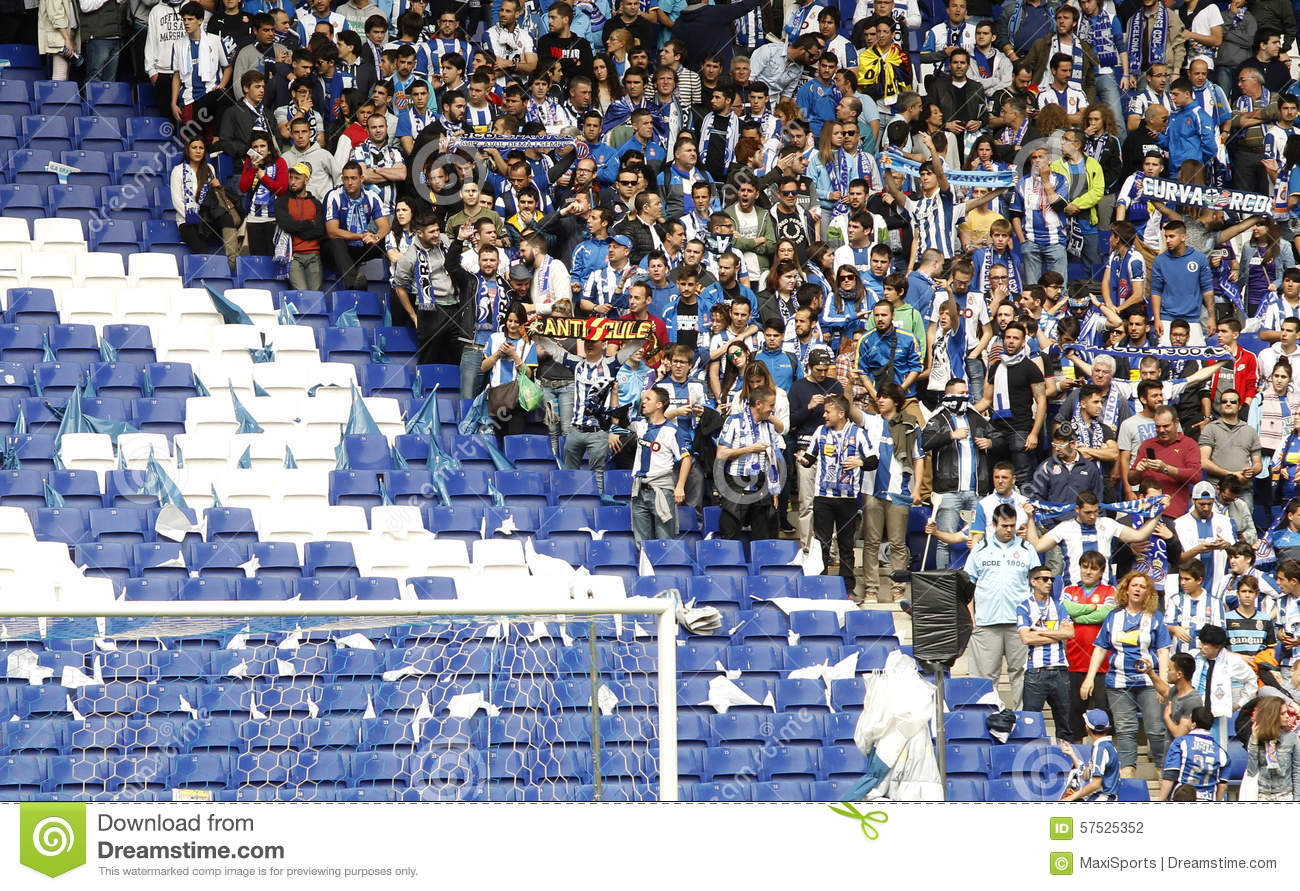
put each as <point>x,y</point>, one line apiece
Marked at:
<point>1099,778</point>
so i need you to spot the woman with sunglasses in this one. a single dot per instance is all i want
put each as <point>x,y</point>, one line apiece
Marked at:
<point>843,310</point>
<point>756,375</point>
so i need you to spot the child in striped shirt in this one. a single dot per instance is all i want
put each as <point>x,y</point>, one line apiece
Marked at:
<point>1100,776</point>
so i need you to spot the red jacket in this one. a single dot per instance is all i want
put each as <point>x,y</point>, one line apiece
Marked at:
<point>1184,456</point>
<point>276,179</point>
<point>1245,377</point>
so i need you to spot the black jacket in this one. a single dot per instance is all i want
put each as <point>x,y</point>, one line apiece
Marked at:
<point>466,284</point>
<point>804,421</point>
<point>936,439</point>
<point>643,242</point>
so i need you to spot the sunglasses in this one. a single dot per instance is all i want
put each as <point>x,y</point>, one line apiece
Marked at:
<point>627,182</point>
<point>788,194</point>
<point>847,278</point>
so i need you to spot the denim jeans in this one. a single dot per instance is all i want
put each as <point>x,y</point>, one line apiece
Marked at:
<point>473,380</point>
<point>975,372</point>
<point>948,519</point>
<point>1108,91</point>
<point>646,523</point>
<point>560,399</point>
<point>592,443</point>
<point>1009,445</point>
<point>101,57</point>
<point>1035,259</point>
<point>1125,703</point>
<point>1051,686</point>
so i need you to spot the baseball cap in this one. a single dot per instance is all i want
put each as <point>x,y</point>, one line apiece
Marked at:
<point>519,272</point>
<point>623,240</point>
<point>820,356</point>
<point>1078,300</point>
<point>1096,719</point>
<point>302,167</point>
<point>1203,489</point>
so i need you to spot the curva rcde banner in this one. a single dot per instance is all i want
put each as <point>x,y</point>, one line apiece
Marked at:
<point>1227,200</point>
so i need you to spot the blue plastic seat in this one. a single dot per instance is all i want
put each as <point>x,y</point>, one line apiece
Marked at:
<point>345,345</point>
<point>93,167</point>
<point>50,132</point>
<point>111,560</point>
<point>133,343</point>
<point>258,272</point>
<point>130,203</point>
<point>669,555</point>
<point>400,345</point>
<point>959,692</point>
<point>150,589</point>
<point>122,488</point>
<point>355,487</point>
<point>276,560</point>
<point>369,308</point>
<point>163,237</point>
<point>737,730</point>
<point>865,625</point>
<point>530,452</point>
<point>574,488</point>
<point>1132,789</point>
<point>375,589</point>
<point>772,557</point>
<point>966,760</point>
<point>720,557</point>
<point>171,380</point>
<point>843,763</point>
<point>107,94</point>
<point>793,763</point>
<point>234,524</point>
<point>218,559</point>
<point>263,589</point>
<point>8,133</point>
<point>967,789</point>
<point>57,380</point>
<point>386,380</point>
<point>69,525</point>
<point>116,379</point>
<point>27,165</point>
<point>23,201</point>
<point>212,271</point>
<point>308,307</point>
<point>99,133</point>
<point>522,488</point>
<point>150,133</point>
<point>119,525</point>
<point>15,380</point>
<point>56,97</point>
<point>159,559</point>
<point>822,587</point>
<point>368,452</point>
<point>203,771</point>
<point>75,201</point>
<point>326,560</point>
<point>15,98</point>
<point>730,763</point>
<point>20,488</point>
<point>816,626</point>
<point>567,523</point>
<point>31,308</point>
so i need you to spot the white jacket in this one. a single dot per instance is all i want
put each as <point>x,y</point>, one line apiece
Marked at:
<point>166,31</point>
<point>1233,683</point>
<point>212,60</point>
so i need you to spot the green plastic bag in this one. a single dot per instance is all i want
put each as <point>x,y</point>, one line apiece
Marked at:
<point>530,394</point>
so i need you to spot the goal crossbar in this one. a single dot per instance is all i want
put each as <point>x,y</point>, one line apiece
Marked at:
<point>664,609</point>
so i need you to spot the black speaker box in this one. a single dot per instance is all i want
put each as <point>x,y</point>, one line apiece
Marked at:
<point>941,621</point>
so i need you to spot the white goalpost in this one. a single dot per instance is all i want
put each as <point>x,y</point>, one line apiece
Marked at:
<point>341,700</point>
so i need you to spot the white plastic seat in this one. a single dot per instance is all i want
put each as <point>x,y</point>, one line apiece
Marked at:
<point>210,416</point>
<point>257,303</point>
<point>196,485</point>
<point>148,269</point>
<point>401,522</point>
<point>279,379</point>
<point>88,306</point>
<point>15,525</point>
<point>59,235</point>
<point>342,522</point>
<point>311,453</point>
<point>276,414</point>
<point>294,344</point>
<point>446,556</point>
<point>335,374</point>
<point>202,452</point>
<point>247,488</point>
<point>499,555</point>
<point>285,524</point>
<point>231,344</point>
<point>265,450</point>
<point>306,489</point>
<point>99,270</point>
<point>192,307</point>
<point>15,232</point>
<point>390,558</point>
<point>133,448</point>
<point>149,306</point>
<point>192,345</point>
<point>88,451</point>
<point>324,418</point>
<point>46,269</point>
<point>219,377</point>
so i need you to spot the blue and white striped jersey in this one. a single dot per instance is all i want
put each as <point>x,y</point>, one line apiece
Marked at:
<point>1192,613</point>
<point>1132,637</point>
<point>934,222</point>
<point>984,510</point>
<point>658,448</point>
<point>1105,764</point>
<point>967,466</point>
<point>689,393</point>
<point>742,430</point>
<point>505,371</point>
<point>831,448</point>
<point>1076,539</point>
<point>1041,224</point>
<point>1195,759</point>
<point>589,378</point>
<point>1044,615</point>
<point>893,477</point>
<point>1192,530</point>
<point>609,285</point>
<point>354,214</point>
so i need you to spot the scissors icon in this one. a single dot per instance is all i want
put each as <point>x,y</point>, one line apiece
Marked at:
<point>865,820</point>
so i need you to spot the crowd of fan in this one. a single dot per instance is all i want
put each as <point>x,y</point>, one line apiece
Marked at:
<point>837,332</point>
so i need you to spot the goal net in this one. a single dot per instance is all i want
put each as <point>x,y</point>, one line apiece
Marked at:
<point>408,701</point>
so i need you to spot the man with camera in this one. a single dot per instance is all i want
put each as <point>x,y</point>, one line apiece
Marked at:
<point>838,454</point>
<point>957,439</point>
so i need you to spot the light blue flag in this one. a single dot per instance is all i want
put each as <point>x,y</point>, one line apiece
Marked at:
<point>348,319</point>
<point>71,422</point>
<point>246,422</point>
<point>288,313</point>
<point>399,462</point>
<point>146,383</point>
<point>377,354</point>
<point>495,494</point>
<point>20,422</point>
<point>265,354</point>
<point>230,311</point>
<point>499,461</point>
<point>200,389</point>
<point>341,461</point>
<point>259,390</point>
<point>52,498</point>
<point>47,352</point>
<point>477,419</point>
<point>439,463</point>
<point>417,384</point>
<point>107,352</point>
<point>246,459</point>
<point>289,462</point>
<point>425,420</point>
<point>384,498</point>
<point>88,390</point>
<point>360,421</point>
<point>216,499</point>
<point>160,485</point>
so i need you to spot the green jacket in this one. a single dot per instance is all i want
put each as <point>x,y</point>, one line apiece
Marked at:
<point>765,230</point>
<point>1096,185</point>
